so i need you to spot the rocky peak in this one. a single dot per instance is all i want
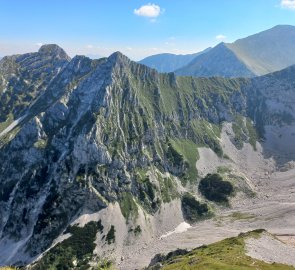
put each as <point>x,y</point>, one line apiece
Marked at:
<point>118,57</point>
<point>54,50</point>
<point>80,63</point>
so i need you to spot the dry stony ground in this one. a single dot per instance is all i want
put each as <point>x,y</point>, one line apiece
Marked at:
<point>268,249</point>
<point>273,208</point>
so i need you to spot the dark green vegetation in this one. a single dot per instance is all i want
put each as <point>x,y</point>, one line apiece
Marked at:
<point>192,209</point>
<point>244,132</point>
<point>214,188</point>
<point>104,265</point>
<point>137,230</point>
<point>111,235</point>
<point>78,247</point>
<point>148,193</point>
<point>187,153</point>
<point>167,189</point>
<point>228,254</point>
<point>128,206</point>
<point>174,157</point>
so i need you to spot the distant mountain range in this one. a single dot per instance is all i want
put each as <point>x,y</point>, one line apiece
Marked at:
<point>220,61</point>
<point>167,62</point>
<point>259,54</point>
<point>256,55</point>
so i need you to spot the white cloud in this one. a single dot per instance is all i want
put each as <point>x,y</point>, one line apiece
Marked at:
<point>220,37</point>
<point>39,44</point>
<point>149,10</point>
<point>89,46</point>
<point>288,4</point>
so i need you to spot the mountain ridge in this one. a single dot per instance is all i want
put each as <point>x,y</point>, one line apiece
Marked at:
<point>168,62</point>
<point>115,134</point>
<point>265,52</point>
<point>205,65</point>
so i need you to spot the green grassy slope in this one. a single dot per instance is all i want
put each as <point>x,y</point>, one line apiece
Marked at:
<point>228,254</point>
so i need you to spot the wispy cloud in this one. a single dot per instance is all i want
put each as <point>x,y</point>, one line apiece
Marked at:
<point>290,4</point>
<point>220,37</point>
<point>89,46</point>
<point>150,10</point>
<point>39,44</point>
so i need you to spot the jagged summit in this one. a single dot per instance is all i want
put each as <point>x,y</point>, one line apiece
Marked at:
<point>118,57</point>
<point>53,49</point>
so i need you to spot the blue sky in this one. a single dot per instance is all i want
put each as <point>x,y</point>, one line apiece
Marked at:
<point>135,27</point>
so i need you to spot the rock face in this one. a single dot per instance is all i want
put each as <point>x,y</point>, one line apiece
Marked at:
<point>24,77</point>
<point>95,132</point>
<point>256,55</point>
